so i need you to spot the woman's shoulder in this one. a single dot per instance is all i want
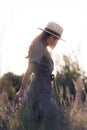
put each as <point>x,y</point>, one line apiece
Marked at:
<point>37,47</point>
<point>36,52</point>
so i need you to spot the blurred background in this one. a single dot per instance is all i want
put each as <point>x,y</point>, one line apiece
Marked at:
<point>19,20</point>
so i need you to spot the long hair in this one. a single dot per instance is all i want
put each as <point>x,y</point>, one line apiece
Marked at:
<point>40,38</point>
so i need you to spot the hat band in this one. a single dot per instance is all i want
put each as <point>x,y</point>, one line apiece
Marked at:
<point>51,31</point>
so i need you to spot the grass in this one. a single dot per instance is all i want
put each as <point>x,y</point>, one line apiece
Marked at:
<point>9,120</point>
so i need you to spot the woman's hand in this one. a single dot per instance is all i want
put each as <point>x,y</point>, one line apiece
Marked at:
<point>19,96</point>
<point>21,93</point>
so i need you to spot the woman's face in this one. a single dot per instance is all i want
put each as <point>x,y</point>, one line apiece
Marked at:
<point>52,41</point>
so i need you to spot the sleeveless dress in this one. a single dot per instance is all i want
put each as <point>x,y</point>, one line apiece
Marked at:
<point>40,111</point>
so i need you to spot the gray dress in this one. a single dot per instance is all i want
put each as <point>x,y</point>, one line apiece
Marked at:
<point>40,111</point>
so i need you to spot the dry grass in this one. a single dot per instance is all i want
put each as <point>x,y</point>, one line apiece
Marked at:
<point>78,117</point>
<point>8,118</point>
<point>77,114</point>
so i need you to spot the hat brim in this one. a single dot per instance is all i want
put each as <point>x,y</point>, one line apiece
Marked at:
<point>51,33</point>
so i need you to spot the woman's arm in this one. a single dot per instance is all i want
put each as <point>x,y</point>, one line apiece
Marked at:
<point>27,75</point>
<point>26,78</point>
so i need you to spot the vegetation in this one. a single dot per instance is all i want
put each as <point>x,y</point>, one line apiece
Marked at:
<point>66,94</point>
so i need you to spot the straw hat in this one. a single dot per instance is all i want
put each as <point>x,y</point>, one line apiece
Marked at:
<point>54,29</point>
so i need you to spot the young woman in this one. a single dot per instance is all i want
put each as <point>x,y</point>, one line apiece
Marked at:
<point>40,111</point>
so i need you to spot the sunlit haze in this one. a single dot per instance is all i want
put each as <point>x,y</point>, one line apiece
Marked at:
<point>19,20</point>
